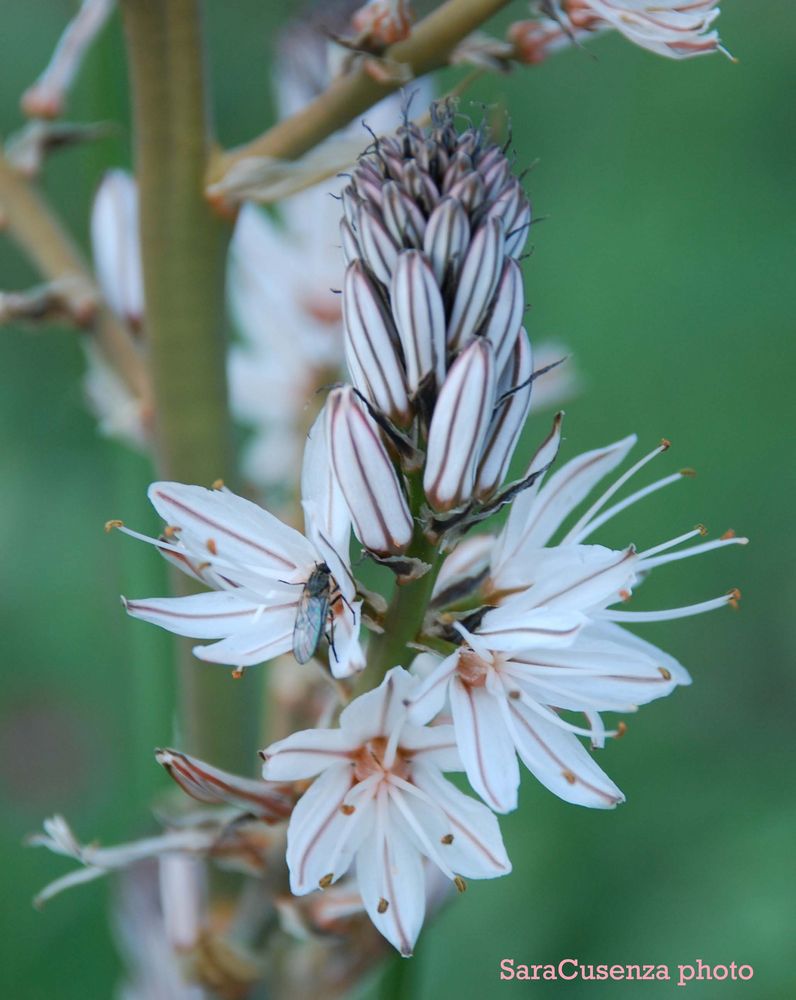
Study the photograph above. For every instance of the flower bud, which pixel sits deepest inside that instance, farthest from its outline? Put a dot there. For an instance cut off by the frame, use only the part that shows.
(511, 410)
(480, 273)
(371, 346)
(368, 481)
(503, 325)
(117, 252)
(419, 314)
(459, 426)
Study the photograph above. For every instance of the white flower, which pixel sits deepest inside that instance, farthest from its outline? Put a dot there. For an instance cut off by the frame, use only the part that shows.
(677, 29)
(259, 569)
(381, 802)
(550, 642)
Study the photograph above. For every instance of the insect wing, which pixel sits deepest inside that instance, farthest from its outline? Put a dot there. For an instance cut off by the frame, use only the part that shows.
(313, 610)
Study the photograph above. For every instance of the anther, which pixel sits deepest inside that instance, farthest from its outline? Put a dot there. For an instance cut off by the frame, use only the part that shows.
(459, 882)
(515, 695)
(237, 673)
(447, 839)
(326, 881)
(728, 534)
(203, 566)
(621, 729)
(115, 523)
(212, 548)
(347, 810)
(382, 905)
(688, 472)
(665, 444)
(665, 674)
(218, 484)
(701, 529)
(625, 595)
(170, 530)
(734, 597)
(570, 777)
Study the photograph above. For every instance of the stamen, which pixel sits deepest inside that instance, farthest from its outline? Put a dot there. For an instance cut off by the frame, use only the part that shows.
(669, 614)
(665, 674)
(382, 905)
(617, 508)
(553, 717)
(621, 729)
(114, 523)
(460, 884)
(570, 777)
(347, 809)
(237, 673)
(326, 880)
(218, 484)
(620, 482)
(700, 529)
(447, 839)
(695, 550)
(212, 548)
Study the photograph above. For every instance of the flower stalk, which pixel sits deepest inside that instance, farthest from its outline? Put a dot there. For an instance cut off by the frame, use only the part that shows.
(183, 248)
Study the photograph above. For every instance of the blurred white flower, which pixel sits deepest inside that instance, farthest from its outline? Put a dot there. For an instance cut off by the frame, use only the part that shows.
(380, 801)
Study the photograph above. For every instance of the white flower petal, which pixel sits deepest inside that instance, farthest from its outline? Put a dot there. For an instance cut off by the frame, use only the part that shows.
(391, 880)
(116, 247)
(318, 845)
(429, 696)
(477, 849)
(376, 712)
(237, 528)
(559, 760)
(271, 636)
(199, 616)
(305, 754)
(486, 745)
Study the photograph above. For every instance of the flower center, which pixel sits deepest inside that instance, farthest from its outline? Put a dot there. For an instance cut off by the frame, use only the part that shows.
(472, 669)
(369, 760)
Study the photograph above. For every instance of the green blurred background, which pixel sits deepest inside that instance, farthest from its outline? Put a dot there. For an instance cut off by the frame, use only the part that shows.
(667, 264)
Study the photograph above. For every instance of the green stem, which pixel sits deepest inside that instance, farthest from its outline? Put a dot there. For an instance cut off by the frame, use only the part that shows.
(184, 247)
(403, 620)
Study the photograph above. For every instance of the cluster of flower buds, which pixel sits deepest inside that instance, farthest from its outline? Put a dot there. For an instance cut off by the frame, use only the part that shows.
(440, 364)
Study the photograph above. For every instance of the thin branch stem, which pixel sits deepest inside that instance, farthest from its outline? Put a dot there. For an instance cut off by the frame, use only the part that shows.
(184, 253)
(427, 48)
(41, 236)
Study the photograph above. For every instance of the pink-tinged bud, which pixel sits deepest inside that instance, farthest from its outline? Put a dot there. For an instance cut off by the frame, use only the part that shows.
(383, 22)
(367, 479)
(116, 246)
(503, 325)
(459, 427)
(268, 800)
(511, 410)
(371, 344)
(419, 314)
(478, 280)
(447, 237)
